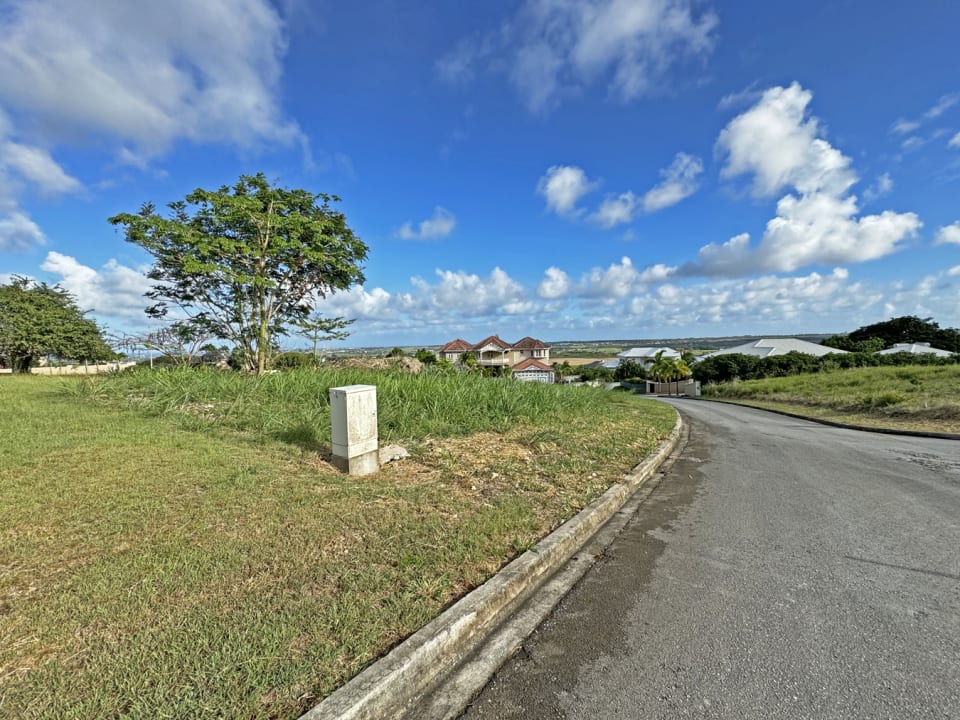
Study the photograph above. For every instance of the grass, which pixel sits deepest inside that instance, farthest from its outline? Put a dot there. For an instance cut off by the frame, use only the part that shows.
(175, 545)
(909, 397)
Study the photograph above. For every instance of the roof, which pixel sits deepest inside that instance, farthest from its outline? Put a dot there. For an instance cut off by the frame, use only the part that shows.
(916, 348)
(531, 364)
(609, 364)
(649, 352)
(457, 345)
(492, 340)
(767, 347)
(529, 343)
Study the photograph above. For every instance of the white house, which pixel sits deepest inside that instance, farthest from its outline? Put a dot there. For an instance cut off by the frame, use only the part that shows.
(916, 349)
(532, 370)
(646, 356)
(767, 347)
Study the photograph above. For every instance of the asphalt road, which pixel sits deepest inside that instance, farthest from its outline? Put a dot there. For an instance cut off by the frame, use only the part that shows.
(781, 569)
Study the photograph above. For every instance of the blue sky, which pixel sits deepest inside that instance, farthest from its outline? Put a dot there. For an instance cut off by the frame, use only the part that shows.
(558, 168)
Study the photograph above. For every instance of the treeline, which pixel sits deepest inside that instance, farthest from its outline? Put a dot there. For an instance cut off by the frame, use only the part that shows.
(723, 368)
(906, 329)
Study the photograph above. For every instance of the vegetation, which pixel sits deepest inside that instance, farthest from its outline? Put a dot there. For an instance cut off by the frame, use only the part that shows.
(735, 366)
(37, 320)
(906, 329)
(244, 262)
(918, 397)
(174, 544)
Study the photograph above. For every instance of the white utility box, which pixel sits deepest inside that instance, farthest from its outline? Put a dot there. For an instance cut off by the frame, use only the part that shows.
(353, 429)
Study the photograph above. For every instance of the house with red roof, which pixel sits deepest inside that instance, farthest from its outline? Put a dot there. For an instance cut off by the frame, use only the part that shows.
(530, 353)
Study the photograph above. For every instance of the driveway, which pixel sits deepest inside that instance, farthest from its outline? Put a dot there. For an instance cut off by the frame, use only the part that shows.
(781, 569)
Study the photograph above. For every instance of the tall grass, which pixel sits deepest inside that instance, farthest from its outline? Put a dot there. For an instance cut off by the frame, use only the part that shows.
(922, 394)
(295, 405)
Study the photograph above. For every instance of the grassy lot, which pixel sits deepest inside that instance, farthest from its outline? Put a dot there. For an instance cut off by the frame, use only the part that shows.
(907, 398)
(174, 545)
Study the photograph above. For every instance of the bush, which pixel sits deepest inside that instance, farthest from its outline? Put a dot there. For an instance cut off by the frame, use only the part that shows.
(294, 360)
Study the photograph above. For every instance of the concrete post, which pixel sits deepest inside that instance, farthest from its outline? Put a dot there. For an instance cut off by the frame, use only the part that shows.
(353, 429)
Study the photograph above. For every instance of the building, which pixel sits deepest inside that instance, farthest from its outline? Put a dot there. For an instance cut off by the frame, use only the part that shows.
(493, 351)
(647, 356)
(768, 347)
(916, 349)
(453, 350)
(531, 370)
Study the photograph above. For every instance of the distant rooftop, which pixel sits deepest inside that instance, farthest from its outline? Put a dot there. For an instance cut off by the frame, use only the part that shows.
(916, 349)
(767, 347)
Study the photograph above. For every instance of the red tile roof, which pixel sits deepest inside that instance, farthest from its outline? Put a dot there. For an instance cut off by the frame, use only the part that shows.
(531, 364)
(492, 340)
(457, 345)
(529, 343)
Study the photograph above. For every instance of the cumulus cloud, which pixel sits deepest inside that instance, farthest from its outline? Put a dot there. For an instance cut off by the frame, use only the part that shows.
(954, 141)
(114, 291)
(553, 49)
(948, 234)
(679, 182)
(438, 225)
(18, 233)
(778, 145)
(203, 72)
(883, 186)
(556, 284)
(562, 186)
(616, 210)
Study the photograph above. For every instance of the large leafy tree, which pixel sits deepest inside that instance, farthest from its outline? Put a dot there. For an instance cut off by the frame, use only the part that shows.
(244, 263)
(37, 320)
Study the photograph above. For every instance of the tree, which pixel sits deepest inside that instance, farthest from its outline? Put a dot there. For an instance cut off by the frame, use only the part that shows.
(425, 356)
(242, 262)
(628, 369)
(181, 342)
(38, 320)
(397, 352)
(909, 329)
(316, 327)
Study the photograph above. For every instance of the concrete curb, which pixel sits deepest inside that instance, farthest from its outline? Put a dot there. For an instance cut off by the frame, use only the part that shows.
(833, 423)
(393, 686)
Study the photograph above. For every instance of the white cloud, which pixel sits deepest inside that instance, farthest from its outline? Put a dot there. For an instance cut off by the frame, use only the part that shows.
(18, 233)
(942, 105)
(948, 234)
(883, 186)
(904, 127)
(555, 284)
(679, 182)
(954, 271)
(439, 225)
(616, 210)
(954, 141)
(36, 166)
(551, 49)
(201, 72)
(617, 281)
(779, 144)
(562, 186)
(113, 291)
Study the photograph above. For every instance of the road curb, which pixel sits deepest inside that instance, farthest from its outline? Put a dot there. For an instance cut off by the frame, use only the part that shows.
(392, 686)
(832, 423)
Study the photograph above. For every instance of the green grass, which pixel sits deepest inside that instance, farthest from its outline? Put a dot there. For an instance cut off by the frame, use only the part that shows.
(173, 545)
(908, 397)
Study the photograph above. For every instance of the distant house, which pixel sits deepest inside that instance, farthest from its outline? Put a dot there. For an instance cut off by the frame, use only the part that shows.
(606, 364)
(916, 349)
(493, 351)
(453, 350)
(646, 356)
(531, 370)
(768, 347)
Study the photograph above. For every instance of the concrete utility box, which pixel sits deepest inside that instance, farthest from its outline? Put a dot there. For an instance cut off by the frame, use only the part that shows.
(353, 429)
